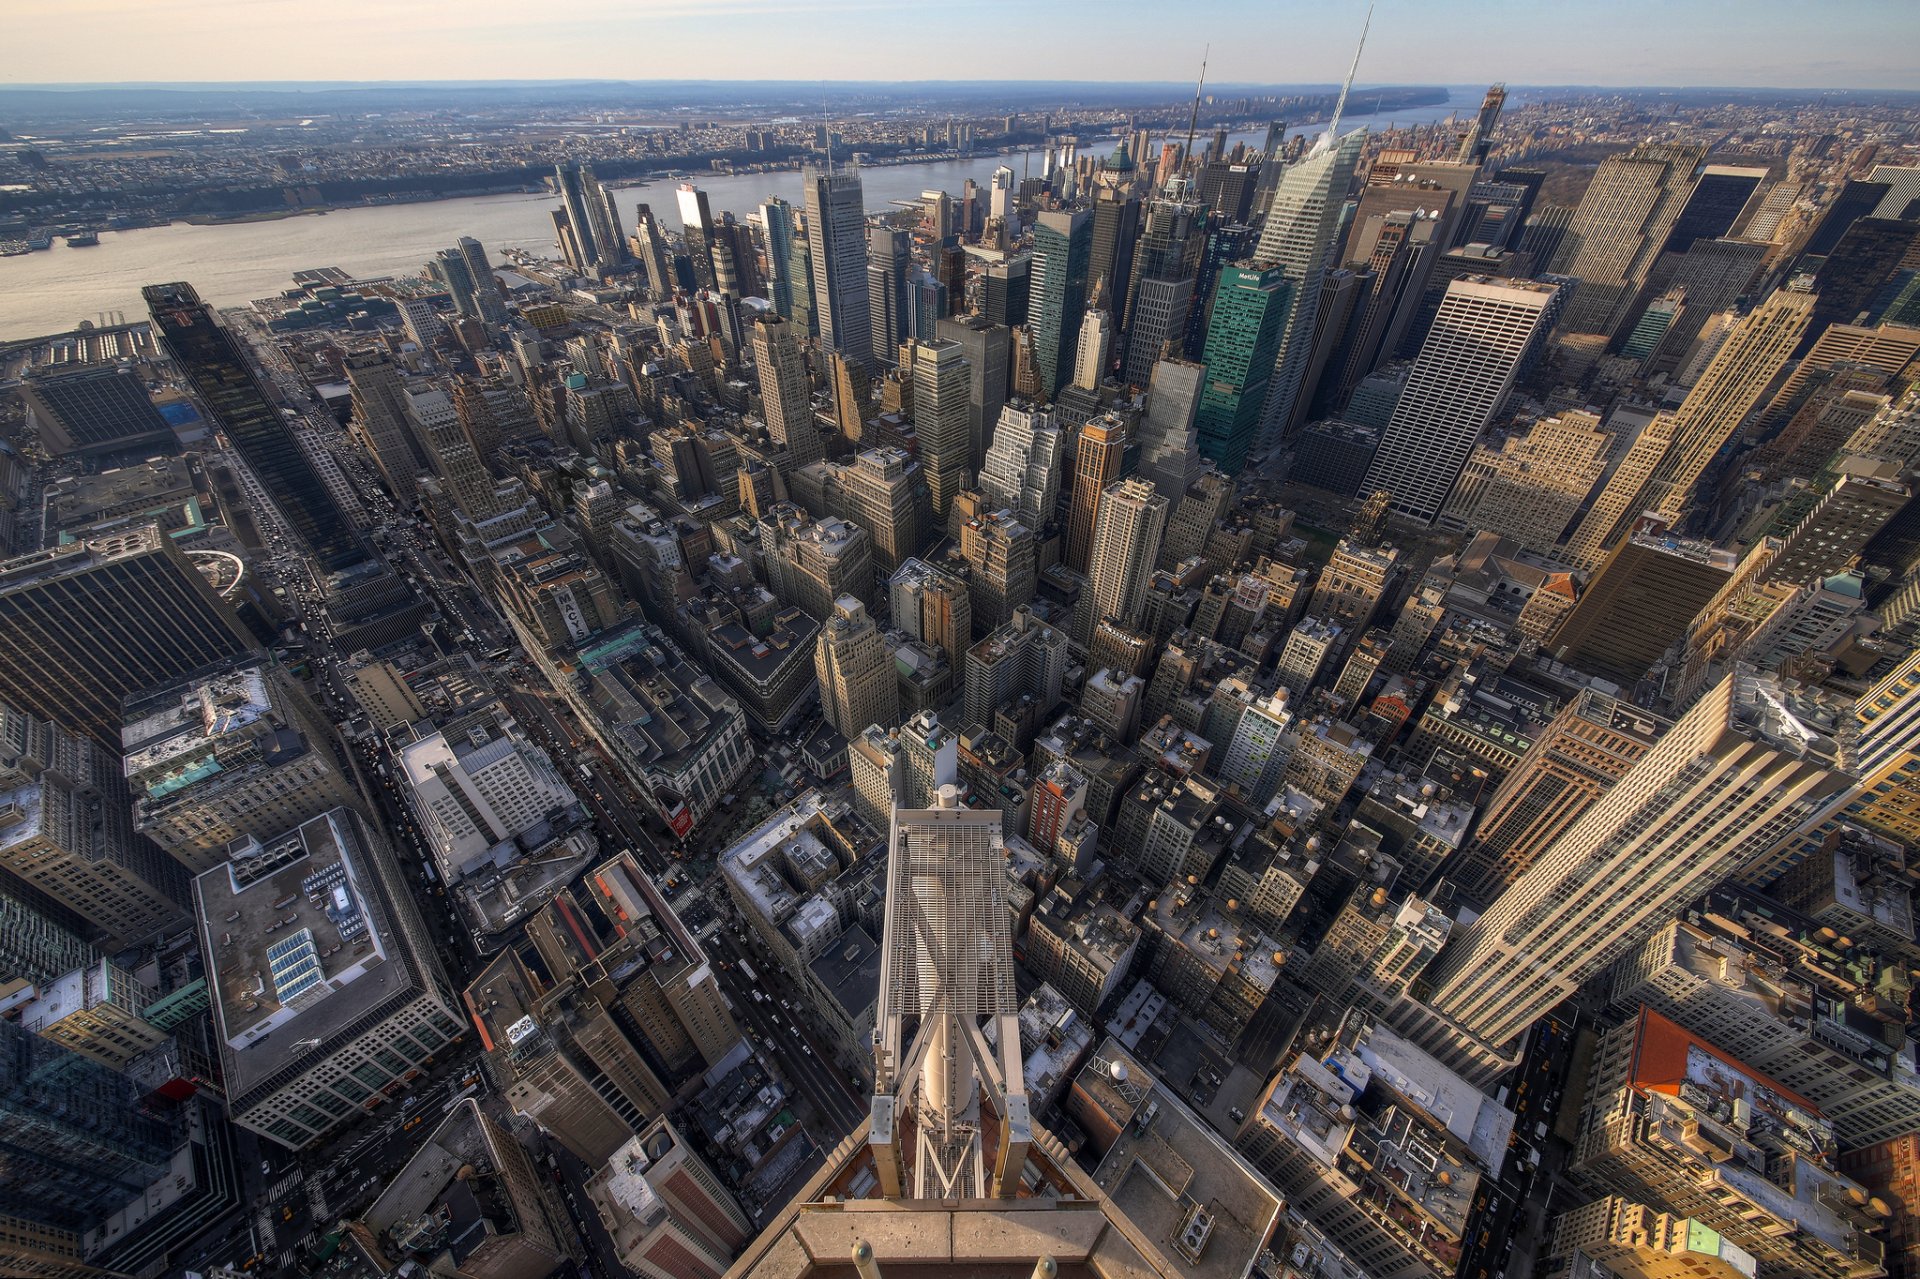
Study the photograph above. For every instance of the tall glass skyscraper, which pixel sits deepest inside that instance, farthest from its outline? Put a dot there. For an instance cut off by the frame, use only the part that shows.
(776, 220)
(1250, 308)
(1062, 254)
(75, 1133)
(1301, 225)
(837, 239)
(223, 379)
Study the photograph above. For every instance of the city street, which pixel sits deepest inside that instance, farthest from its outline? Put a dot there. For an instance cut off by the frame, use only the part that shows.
(785, 1039)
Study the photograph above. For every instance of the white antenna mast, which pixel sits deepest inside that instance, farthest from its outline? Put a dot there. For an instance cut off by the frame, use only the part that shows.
(1333, 125)
(826, 121)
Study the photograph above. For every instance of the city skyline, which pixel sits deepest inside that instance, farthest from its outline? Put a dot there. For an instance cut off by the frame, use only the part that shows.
(1855, 46)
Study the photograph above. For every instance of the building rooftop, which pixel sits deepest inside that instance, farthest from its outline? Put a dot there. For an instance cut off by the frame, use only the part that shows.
(1772, 1146)
(849, 972)
(761, 864)
(1173, 1177)
(1220, 940)
(662, 708)
(448, 1199)
(298, 933)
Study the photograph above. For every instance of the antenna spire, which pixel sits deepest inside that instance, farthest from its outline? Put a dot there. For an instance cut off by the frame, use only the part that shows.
(826, 124)
(1333, 125)
(1193, 121)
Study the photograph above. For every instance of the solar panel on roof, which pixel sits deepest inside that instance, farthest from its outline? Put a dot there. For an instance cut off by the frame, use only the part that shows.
(294, 965)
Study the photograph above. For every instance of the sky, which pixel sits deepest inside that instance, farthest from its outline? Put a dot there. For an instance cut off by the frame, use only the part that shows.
(1863, 44)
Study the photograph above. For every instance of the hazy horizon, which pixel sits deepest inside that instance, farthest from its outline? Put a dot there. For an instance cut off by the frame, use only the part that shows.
(1860, 45)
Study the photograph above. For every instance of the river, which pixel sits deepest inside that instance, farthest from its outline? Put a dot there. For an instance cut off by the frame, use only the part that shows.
(234, 263)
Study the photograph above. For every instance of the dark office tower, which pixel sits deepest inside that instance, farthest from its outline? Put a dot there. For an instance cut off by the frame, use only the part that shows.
(989, 352)
(1343, 295)
(86, 625)
(1856, 272)
(650, 246)
(93, 409)
(1096, 464)
(449, 267)
(79, 1142)
(606, 223)
(1588, 747)
(1116, 229)
(1478, 142)
(1857, 199)
(1619, 229)
(1165, 264)
(1712, 275)
(1062, 251)
(1393, 274)
(1544, 232)
(486, 287)
(1249, 314)
(888, 304)
(1004, 291)
(1228, 189)
(837, 238)
(576, 209)
(1640, 602)
(223, 379)
(696, 228)
(805, 315)
(1221, 247)
(1713, 207)
(776, 220)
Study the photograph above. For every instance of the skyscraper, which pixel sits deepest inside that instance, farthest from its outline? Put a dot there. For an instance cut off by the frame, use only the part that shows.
(1622, 223)
(1587, 748)
(888, 304)
(650, 246)
(1166, 261)
(80, 1145)
(222, 376)
(1719, 402)
(380, 420)
(785, 393)
(1478, 140)
(1062, 249)
(573, 214)
(1169, 433)
(1096, 463)
(486, 288)
(1668, 459)
(837, 242)
(989, 352)
(1732, 781)
(66, 830)
(696, 228)
(1126, 546)
(1250, 309)
(1485, 331)
(1302, 223)
(776, 222)
(855, 670)
(942, 382)
(1022, 471)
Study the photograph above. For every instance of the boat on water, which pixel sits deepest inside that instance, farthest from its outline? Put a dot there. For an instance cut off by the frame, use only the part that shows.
(41, 240)
(85, 238)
